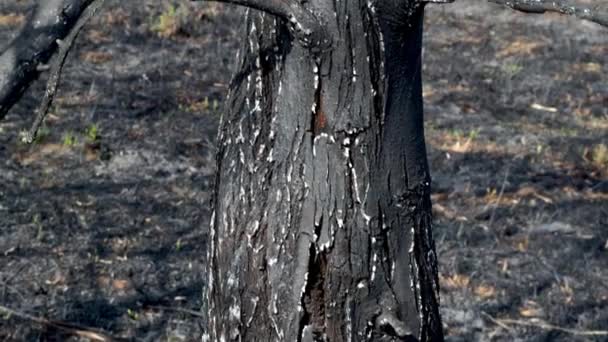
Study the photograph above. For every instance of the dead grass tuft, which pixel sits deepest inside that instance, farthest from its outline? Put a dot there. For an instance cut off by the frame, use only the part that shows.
(11, 19)
(96, 57)
(521, 46)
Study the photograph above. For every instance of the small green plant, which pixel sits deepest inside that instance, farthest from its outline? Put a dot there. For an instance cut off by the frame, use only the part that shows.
(92, 133)
(512, 69)
(170, 22)
(6, 315)
(43, 133)
(539, 148)
(473, 134)
(132, 314)
(455, 133)
(205, 104)
(201, 106)
(568, 132)
(599, 156)
(69, 139)
(39, 227)
(459, 134)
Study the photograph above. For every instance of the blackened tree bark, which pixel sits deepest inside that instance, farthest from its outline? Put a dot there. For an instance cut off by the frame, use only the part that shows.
(21, 61)
(322, 222)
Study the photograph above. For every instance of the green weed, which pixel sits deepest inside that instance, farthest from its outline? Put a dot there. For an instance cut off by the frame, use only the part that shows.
(69, 139)
(171, 21)
(599, 156)
(92, 133)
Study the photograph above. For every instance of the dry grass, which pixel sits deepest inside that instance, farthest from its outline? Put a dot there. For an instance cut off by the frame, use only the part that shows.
(11, 19)
(520, 46)
(96, 57)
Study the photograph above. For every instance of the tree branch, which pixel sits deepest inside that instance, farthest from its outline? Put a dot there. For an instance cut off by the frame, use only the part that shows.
(23, 59)
(595, 13)
(73, 329)
(304, 25)
(64, 48)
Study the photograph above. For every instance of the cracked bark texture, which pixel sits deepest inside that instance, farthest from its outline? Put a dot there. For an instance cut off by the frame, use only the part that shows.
(322, 221)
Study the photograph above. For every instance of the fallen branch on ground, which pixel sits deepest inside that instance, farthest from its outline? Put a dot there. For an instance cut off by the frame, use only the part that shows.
(537, 323)
(69, 328)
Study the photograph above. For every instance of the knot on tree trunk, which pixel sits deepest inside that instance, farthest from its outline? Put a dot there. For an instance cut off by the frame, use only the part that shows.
(308, 29)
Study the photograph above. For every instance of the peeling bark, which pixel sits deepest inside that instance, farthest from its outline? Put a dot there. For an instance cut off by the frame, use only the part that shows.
(322, 222)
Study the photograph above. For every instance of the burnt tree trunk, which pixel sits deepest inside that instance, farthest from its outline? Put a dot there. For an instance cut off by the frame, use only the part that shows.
(322, 222)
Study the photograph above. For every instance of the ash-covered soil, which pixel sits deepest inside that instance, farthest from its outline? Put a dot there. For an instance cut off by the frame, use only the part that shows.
(103, 221)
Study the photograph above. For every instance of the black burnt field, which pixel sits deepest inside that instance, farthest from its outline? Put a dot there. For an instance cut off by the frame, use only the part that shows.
(103, 220)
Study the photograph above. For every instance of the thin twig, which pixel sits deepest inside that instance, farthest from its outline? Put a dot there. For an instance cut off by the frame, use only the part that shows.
(497, 322)
(544, 325)
(70, 328)
(55, 76)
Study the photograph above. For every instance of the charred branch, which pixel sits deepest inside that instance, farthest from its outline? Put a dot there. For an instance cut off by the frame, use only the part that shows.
(64, 48)
(595, 13)
(25, 57)
(304, 25)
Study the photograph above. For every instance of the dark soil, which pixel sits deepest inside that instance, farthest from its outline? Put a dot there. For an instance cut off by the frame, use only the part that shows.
(103, 221)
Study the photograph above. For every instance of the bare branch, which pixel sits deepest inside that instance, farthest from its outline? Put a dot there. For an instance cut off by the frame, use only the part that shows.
(305, 26)
(595, 13)
(64, 48)
(23, 59)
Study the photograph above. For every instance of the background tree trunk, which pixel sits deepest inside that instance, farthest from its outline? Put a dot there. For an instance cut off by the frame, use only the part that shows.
(322, 222)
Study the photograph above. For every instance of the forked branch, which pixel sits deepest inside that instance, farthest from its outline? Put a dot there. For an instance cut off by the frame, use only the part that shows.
(595, 13)
(64, 48)
(304, 25)
(22, 60)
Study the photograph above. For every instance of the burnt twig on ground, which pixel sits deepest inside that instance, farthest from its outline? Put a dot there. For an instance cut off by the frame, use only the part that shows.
(506, 323)
(69, 328)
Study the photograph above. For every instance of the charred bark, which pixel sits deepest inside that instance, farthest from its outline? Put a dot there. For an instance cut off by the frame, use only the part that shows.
(21, 60)
(322, 222)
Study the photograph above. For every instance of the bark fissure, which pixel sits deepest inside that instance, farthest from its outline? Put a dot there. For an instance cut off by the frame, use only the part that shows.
(314, 299)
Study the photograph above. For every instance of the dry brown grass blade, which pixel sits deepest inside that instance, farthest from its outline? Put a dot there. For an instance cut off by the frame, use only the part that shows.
(69, 328)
